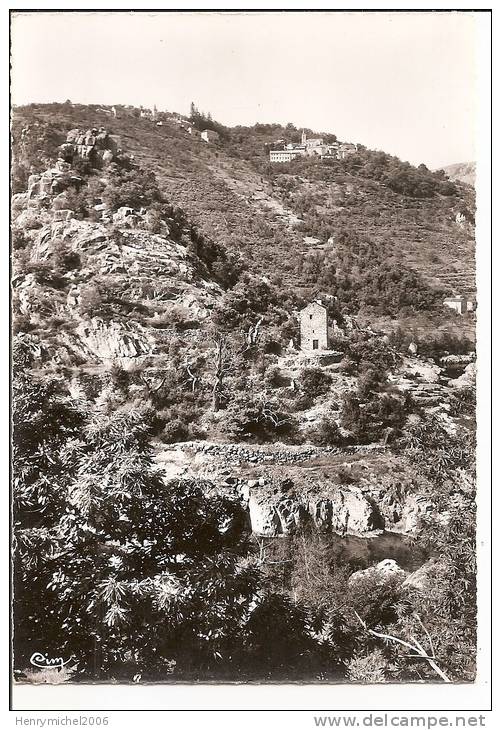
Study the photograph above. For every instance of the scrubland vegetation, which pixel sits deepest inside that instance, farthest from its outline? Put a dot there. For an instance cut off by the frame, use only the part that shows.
(132, 575)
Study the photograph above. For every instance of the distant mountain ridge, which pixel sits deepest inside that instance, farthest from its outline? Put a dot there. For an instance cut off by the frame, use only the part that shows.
(464, 172)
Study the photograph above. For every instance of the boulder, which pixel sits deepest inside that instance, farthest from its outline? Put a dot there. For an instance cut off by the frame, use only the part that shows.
(73, 135)
(62, 166)
(352, 512)
(19, 200)
(122, 214)
(384, 570)
(264, 518)
(65, 214)
(34, 186)
(424, 370)
(107, 157)
(467, 379)
(423, 578)
(73, 297)
(292, 515)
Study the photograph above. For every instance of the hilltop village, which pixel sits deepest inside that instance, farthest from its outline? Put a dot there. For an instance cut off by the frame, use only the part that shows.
(309, 147)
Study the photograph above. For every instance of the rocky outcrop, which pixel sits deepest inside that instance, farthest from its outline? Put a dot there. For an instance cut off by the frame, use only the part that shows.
(385, 570)
(52, 182)
(424, 577)
(467, 379)
(125, 216)
(93, 144)
(264, 516)
(346, 511)
(401, 510)
(462, 172)
(420, 369)
(113, 340)
(415, 507)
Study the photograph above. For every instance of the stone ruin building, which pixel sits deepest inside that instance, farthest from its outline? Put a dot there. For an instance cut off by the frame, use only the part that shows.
(313, 323)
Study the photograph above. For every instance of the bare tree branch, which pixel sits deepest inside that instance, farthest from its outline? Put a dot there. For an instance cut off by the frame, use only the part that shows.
(419, 652)
(150, 387)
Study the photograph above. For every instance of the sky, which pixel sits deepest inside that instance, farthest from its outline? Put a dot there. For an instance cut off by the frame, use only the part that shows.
(404, 83)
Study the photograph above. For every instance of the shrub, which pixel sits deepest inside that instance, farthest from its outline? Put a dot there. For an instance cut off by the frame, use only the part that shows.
(18, 238)
(273, 377)
(248, 418)
(175, 431)
(326, 433)
(368, 668)
(314, 382)
(134, 188)
(91, 301)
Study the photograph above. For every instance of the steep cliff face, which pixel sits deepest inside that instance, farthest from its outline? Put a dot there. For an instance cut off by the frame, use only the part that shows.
(310, 488)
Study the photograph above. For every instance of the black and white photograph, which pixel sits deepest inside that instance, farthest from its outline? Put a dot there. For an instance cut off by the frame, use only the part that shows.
(244, 310)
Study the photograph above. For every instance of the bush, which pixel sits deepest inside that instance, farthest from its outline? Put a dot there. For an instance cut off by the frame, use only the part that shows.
(18, 239)
(370, 420)
(371, 668)
(314, 382)
(273, 378)
(248, 418)
(134, 188)
(326, 433)
(175, 431)
(91, 301)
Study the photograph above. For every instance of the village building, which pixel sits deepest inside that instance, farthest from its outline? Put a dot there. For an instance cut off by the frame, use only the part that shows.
(284, 155)
(208, 135)
(459, 304)
(314, 142)
(310, 147)
(313, 322)
(346, 148)
(330, 151)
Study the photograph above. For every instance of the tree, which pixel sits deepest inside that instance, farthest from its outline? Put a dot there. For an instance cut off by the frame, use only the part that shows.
(258, 418)
(122, 572)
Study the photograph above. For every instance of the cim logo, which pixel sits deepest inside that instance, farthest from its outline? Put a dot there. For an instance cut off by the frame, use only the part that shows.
(43, 661)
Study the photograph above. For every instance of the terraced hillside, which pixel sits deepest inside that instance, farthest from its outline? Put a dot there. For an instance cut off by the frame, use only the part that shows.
(271, 213)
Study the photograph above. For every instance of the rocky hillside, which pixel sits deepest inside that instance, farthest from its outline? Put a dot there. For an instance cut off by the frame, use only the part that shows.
(111, 272)
(463, 172)
(289, 219)
(100, 281)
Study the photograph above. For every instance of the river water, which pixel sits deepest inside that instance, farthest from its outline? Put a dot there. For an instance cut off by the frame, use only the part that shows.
(359, 552)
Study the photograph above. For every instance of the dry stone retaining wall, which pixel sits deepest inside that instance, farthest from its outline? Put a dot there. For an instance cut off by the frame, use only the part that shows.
(236, 453)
